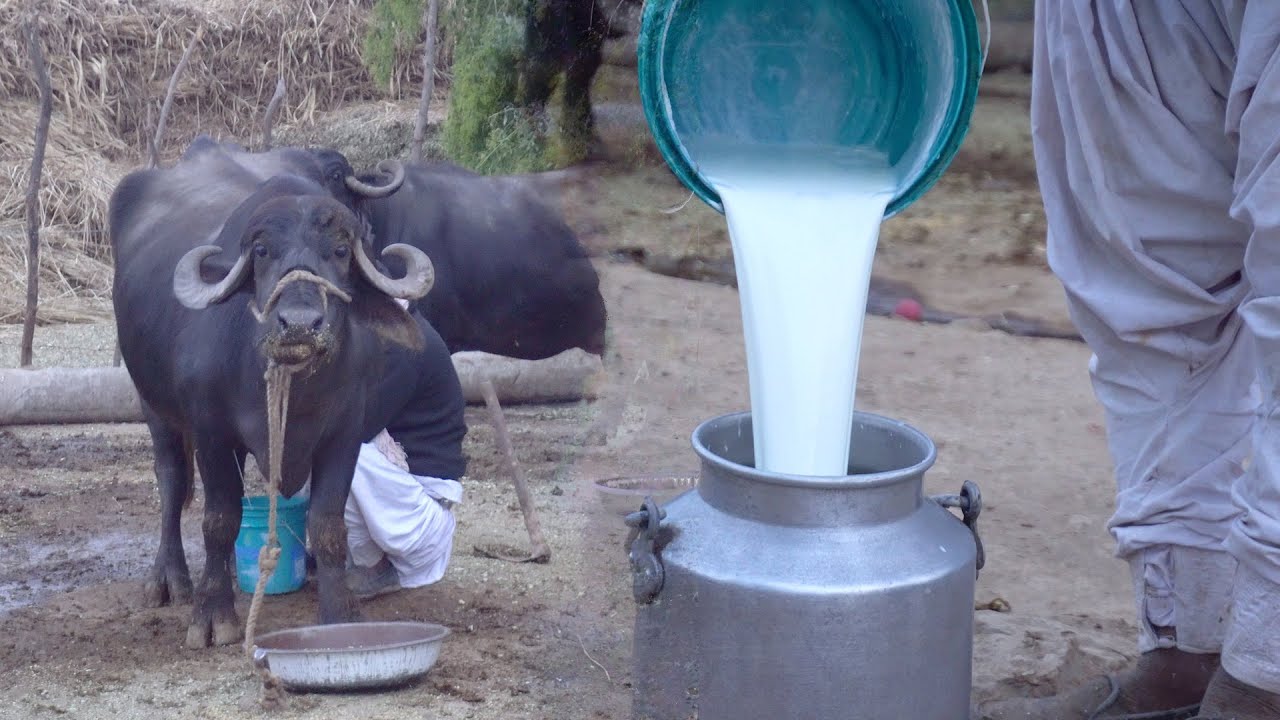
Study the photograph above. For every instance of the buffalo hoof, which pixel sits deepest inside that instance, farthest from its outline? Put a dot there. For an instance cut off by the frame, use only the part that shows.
(167, 586)
(219, 627)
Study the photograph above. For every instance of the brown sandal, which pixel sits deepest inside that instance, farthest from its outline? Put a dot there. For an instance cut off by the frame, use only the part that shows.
(1099, 712)
(1182, 713)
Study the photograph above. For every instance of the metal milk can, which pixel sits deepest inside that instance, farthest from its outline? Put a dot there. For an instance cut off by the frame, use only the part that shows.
(767, 596)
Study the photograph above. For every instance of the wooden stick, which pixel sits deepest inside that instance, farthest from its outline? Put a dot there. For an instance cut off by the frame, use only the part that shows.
(428, 79)
(269, 117)
(168, 97)
(539, 552)
(33, 190)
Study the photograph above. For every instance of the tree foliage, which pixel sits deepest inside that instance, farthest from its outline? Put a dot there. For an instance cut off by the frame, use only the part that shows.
(486, 130)
(392, 37)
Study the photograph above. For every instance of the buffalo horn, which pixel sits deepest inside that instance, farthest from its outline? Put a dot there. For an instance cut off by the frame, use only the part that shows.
(191, 289)
(419, 273)
(393, 167)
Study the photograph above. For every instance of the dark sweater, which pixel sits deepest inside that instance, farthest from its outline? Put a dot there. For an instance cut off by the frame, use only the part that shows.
(419, 401)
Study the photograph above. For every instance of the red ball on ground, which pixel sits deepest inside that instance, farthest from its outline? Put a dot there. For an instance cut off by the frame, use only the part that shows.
(909, 309)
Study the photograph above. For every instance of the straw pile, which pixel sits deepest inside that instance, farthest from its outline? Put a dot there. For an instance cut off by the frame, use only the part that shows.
(74, 286)
(110, 62)
(78, 176)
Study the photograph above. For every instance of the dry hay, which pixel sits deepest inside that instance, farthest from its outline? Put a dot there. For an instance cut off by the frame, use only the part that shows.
(109, 64)
(111, 60)
(77, 178)
(369, 132)
(74, 286)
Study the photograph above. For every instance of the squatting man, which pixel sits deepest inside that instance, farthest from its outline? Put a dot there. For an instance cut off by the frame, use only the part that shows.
(399, 514)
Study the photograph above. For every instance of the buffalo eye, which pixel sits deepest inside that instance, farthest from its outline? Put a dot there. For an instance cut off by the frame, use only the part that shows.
(260, 250)
(341, 251)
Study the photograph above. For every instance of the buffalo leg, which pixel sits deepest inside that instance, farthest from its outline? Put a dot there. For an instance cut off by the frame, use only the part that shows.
(213, 619)
(577, 124)
(330, 485)
(543, 48)
(170, 580)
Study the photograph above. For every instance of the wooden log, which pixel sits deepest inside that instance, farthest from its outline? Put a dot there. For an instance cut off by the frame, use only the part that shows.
(68, 395)
(107, 395)
(571, 375)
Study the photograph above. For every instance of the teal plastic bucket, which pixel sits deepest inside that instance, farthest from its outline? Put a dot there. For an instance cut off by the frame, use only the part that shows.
(291, 532)
(898, 77)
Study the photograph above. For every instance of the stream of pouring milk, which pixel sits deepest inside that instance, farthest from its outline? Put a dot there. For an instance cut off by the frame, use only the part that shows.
(804, 223)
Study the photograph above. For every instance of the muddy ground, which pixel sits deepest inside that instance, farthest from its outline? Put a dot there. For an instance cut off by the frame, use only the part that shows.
(78, 509)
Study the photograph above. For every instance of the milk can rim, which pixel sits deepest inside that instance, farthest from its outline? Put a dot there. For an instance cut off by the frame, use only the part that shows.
(866, 480)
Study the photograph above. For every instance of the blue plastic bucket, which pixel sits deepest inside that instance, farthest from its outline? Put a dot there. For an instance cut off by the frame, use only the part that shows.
(897, 77)
(291, 532)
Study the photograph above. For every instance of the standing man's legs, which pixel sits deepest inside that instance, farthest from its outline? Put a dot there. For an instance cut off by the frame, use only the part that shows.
(1250, 686)
(1128, 109)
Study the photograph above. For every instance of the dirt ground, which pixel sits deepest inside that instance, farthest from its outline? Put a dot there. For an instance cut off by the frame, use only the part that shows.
(79, 512)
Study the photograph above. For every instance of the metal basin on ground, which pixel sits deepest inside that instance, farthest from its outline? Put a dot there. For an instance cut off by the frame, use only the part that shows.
(625, 495)
(350, 656)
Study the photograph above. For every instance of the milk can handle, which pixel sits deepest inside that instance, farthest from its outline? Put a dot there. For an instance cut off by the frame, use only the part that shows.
(970, 503)
(647, 573)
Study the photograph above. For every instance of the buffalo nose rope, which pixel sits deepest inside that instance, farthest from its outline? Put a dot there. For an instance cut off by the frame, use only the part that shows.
(326, 289)
(278, 378)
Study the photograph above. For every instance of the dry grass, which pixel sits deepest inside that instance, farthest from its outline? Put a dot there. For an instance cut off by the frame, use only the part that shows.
(78, 177)
(110, 61)
(74, 286)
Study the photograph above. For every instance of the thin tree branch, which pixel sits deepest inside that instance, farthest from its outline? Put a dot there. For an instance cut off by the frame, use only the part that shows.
(269, 117)
(168, 97)
(428, 79)
(33, 189)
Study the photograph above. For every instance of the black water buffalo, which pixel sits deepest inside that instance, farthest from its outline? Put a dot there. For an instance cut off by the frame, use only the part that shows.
(200, 252)
(564, 39)
(513, 279)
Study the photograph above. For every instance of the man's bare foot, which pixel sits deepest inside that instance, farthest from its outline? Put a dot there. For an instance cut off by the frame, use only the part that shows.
(1167, 680)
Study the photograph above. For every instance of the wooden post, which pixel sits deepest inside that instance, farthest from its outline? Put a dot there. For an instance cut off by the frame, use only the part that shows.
(168, 97)
(33, 189)
(269, 117)
(428, 79)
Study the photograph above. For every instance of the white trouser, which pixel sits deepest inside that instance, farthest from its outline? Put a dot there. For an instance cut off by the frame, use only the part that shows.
(1156, 127)
(393, 512)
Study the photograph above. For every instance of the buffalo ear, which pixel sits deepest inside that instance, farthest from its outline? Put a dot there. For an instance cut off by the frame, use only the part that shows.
(384, 316)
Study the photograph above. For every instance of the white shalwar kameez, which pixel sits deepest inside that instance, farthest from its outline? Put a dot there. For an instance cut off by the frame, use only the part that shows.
(1156, 126)
(407, 517)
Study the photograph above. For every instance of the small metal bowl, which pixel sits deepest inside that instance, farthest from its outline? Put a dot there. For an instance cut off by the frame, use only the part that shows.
(625, 495)
(350, 656)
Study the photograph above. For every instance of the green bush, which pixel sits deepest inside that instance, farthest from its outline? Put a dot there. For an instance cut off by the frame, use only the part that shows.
(485, 130)
(391, 37)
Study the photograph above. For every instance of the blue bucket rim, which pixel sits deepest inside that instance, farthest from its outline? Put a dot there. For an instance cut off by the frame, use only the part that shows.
(653, 98)
(260, 502)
